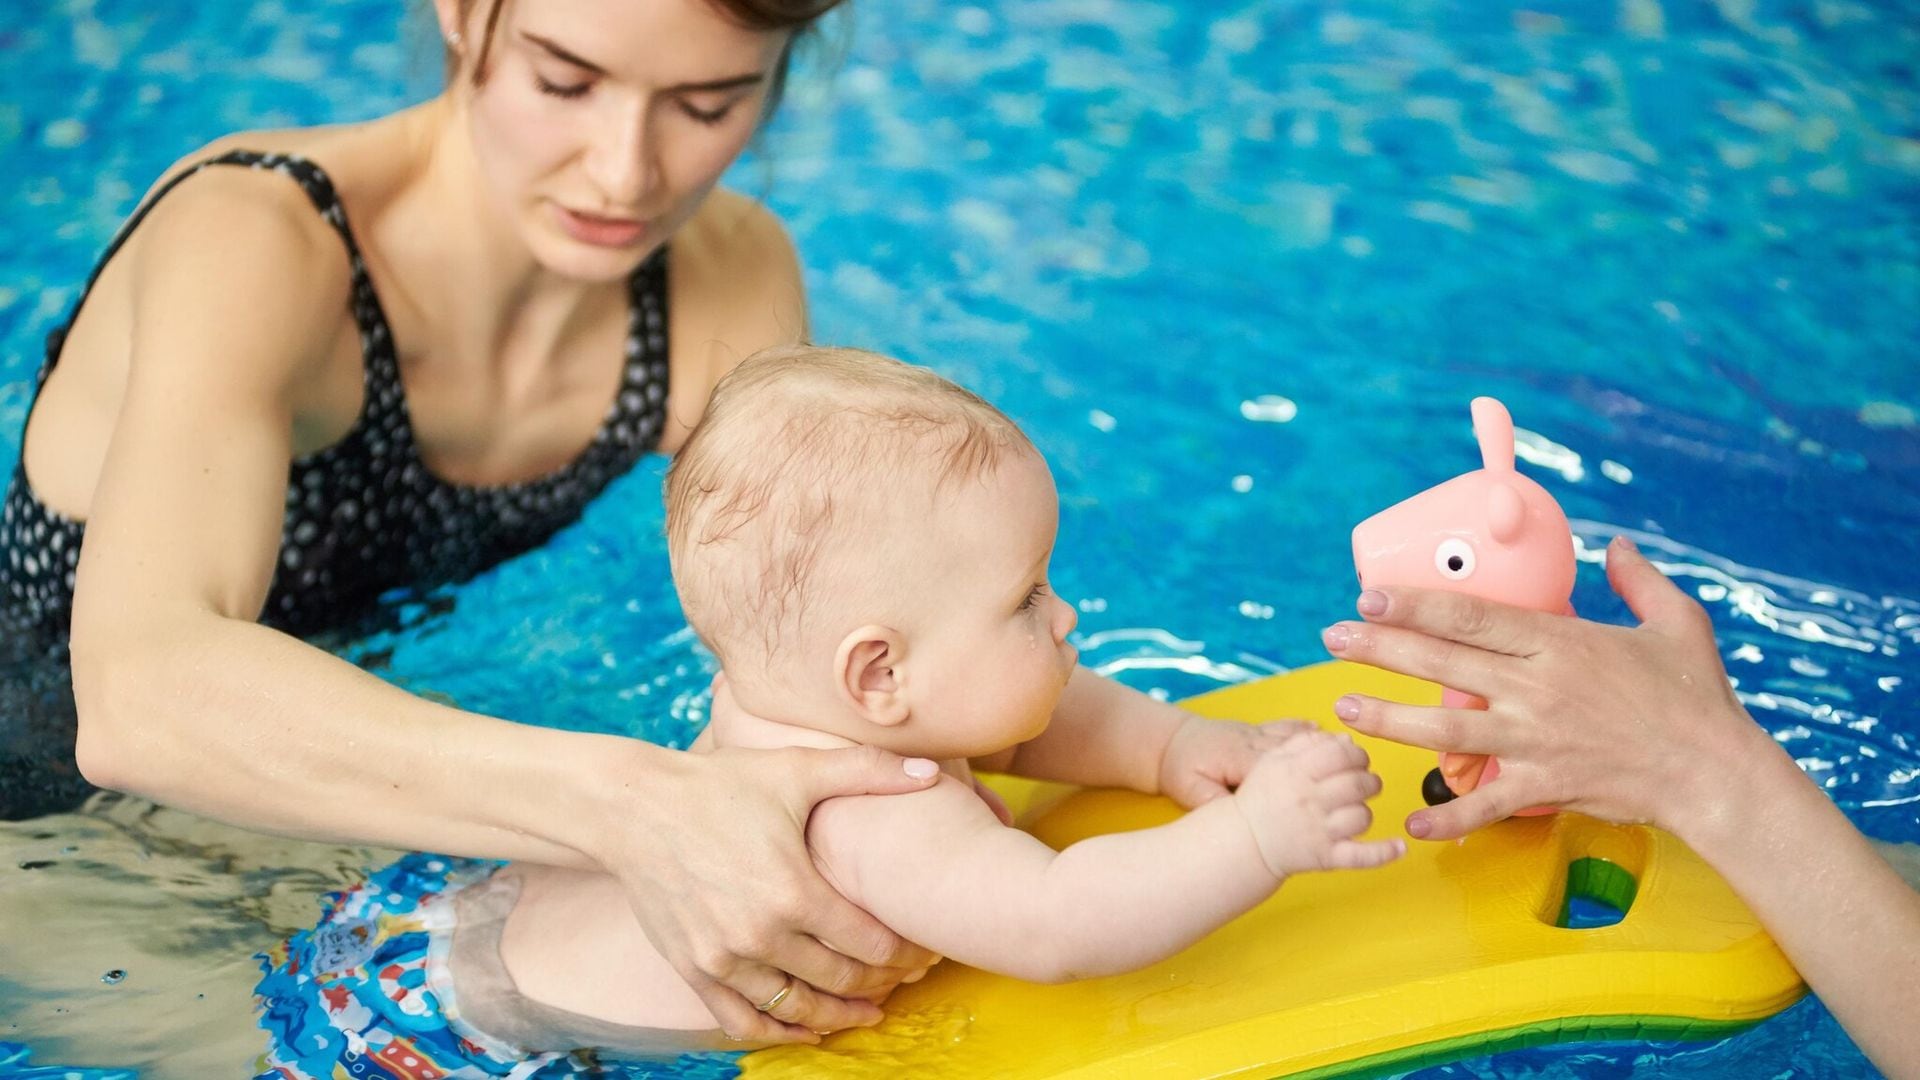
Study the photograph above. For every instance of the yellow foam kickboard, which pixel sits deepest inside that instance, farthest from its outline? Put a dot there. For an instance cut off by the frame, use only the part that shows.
(1450, 952)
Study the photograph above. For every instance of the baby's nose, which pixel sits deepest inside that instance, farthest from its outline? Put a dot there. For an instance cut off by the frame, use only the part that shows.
(1065, 619)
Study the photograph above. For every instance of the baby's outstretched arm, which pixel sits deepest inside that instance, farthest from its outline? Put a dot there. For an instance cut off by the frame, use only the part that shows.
(939, 869)
(1102, 734)
(1105, 734)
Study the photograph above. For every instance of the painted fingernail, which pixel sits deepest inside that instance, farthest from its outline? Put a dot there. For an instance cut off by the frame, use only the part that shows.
(1347, 708)
(1418, 826)
(1372, 603)
(1336, 637)
(920, 768)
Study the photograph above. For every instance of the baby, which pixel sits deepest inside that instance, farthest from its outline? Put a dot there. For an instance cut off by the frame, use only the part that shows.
(864, 547)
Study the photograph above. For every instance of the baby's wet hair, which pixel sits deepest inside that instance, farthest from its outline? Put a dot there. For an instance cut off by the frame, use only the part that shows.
(800, 451)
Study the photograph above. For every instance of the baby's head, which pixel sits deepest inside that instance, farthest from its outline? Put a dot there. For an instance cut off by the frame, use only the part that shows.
(864, 546)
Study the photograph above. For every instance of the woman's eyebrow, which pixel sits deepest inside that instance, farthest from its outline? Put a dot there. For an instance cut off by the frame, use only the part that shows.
(556, 50)
(731, 82)
(728, 83)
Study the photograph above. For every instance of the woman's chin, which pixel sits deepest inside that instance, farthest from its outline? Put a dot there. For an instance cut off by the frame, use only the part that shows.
(589, 264)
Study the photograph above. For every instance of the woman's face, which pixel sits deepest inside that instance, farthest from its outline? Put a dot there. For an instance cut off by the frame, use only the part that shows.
(602, 124)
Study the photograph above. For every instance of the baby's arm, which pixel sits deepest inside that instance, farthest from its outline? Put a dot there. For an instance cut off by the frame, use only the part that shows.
(1104, 734)
(939, 869)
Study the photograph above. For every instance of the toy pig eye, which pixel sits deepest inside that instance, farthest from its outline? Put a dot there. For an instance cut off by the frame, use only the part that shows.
(1454, 559)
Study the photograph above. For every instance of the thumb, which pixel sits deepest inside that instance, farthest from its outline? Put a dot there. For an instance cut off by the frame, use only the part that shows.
(865, 770)
(1646, 590)
(1476, 809)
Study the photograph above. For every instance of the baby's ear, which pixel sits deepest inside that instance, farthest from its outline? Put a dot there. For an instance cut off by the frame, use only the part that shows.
(870, 676)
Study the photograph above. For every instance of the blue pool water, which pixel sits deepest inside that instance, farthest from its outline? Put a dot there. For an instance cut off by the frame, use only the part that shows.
(1238, 268)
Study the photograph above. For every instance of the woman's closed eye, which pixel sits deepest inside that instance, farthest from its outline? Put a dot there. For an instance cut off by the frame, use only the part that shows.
(566, 90)
(710, 116)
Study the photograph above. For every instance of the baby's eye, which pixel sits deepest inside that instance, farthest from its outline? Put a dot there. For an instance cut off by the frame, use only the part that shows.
(1033, 597)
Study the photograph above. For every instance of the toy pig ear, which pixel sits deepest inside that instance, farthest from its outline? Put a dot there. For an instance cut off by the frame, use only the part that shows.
(1506, 512)
(1493, 426)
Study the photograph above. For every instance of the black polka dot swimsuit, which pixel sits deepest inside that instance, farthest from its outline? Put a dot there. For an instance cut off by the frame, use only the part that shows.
(365, 515)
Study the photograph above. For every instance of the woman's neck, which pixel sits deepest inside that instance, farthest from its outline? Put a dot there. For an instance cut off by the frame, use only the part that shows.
(454, 251)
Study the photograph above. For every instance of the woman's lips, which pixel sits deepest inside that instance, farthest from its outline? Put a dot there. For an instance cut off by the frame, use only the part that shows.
(600, 231)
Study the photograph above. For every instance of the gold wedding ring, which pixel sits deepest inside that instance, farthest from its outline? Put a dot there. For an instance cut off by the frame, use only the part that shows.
(774, 1001)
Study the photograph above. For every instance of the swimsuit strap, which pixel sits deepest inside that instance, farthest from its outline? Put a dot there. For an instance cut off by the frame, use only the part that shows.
(319, 189)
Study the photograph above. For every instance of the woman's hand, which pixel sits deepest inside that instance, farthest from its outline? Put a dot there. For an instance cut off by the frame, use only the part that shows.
(1623, 723)
(715, 862)
(1639, 724)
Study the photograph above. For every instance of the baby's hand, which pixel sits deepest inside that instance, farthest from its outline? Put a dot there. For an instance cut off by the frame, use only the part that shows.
(1206, 759)
(1307, 800)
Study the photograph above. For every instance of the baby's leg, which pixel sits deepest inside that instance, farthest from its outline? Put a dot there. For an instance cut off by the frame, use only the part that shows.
(553, 959)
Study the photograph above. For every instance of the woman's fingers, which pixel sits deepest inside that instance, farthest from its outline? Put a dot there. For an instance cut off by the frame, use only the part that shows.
(1655, 601)
(1456, 617)
(1462, 731)
(828, 969)
(795, 1003)
(739, 1020)
(871, 950)
(1417, 653)
(864, 770)
(1483, 805)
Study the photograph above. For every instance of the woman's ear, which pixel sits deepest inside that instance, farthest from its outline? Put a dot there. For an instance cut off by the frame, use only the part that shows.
(870, 676)
(451, 14)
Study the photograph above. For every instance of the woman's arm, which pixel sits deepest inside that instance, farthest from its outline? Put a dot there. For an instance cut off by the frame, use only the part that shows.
(182, 697)
(1639, 724)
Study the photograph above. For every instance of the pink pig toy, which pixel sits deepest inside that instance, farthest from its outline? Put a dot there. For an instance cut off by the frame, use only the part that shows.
(1491, 533)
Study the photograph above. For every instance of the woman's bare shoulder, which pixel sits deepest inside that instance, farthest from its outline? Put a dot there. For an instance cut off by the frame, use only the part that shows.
(734, 287)
(356, 156)
(730, 217)
(733, 235)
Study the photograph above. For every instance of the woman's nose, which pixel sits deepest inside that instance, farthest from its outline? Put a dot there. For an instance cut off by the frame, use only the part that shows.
(621, 161)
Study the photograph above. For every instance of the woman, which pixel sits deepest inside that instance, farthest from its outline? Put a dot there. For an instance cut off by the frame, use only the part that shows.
(1641, 725)
(321, 363)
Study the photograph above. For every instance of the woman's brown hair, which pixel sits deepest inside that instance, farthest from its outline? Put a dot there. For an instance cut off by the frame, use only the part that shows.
(796, 16)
